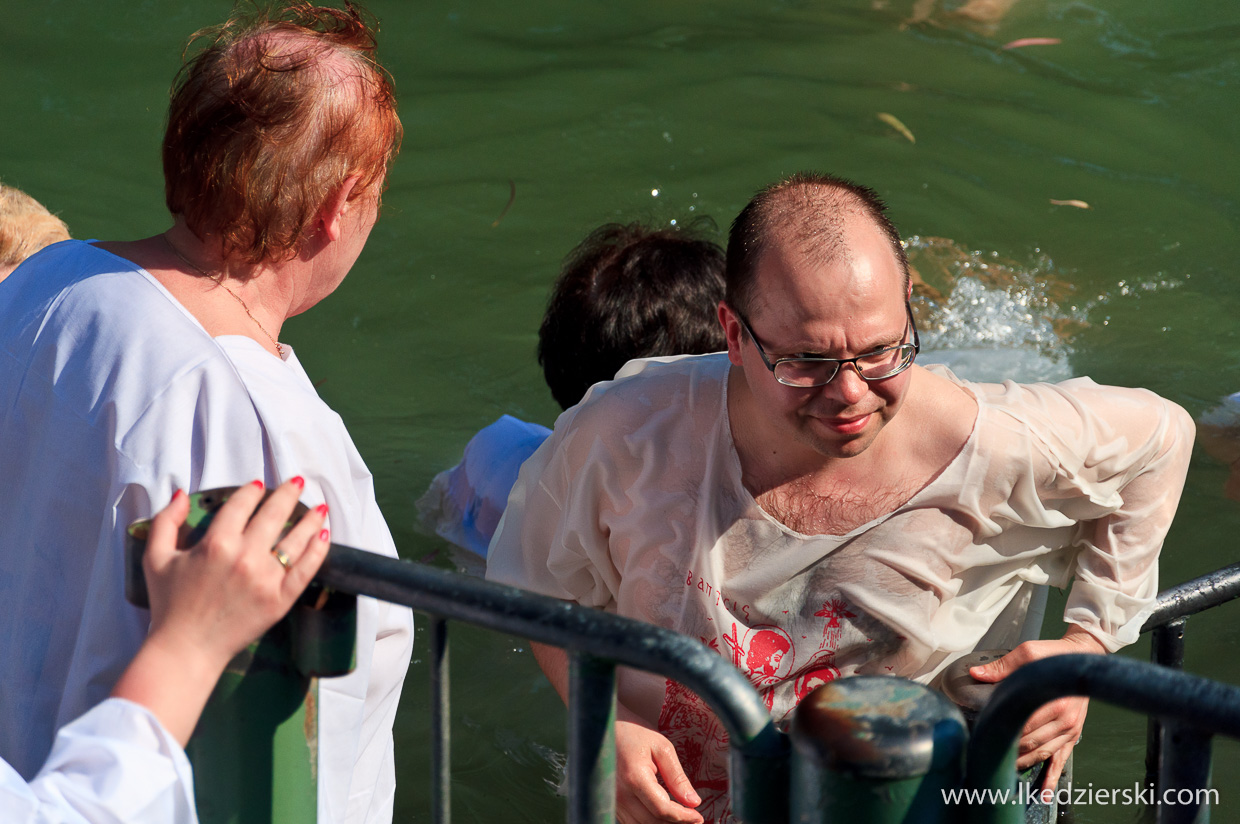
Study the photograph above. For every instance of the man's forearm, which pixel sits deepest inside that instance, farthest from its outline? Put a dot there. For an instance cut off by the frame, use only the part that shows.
(554, 663)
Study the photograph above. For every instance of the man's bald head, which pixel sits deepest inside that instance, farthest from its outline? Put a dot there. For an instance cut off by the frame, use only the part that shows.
(807, 214)
(269, 119)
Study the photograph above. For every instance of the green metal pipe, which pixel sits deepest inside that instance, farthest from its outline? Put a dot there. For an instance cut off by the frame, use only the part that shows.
(875, 749)
(591, 739)
(441, 727)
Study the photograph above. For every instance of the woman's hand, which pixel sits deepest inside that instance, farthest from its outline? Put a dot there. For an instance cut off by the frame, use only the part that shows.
(227, 590)
(210, 601)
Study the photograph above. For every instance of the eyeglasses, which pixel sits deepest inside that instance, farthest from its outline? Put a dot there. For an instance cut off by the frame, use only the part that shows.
(872, 366)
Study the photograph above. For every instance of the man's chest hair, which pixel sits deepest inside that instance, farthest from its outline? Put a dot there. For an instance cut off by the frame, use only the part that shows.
(817, 509)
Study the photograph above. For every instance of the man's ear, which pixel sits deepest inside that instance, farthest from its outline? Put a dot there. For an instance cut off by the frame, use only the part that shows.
(732, 332)
(337, 205)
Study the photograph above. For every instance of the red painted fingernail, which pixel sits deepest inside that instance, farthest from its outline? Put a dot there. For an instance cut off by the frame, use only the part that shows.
(180, 493)
(324, 535)
(298, 481)
(258, 484)
(322, 510)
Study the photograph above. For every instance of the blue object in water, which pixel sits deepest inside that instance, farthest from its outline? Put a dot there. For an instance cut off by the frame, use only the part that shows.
(464, 504)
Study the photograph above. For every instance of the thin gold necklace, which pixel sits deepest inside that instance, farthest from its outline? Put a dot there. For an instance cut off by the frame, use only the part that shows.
(219, 281)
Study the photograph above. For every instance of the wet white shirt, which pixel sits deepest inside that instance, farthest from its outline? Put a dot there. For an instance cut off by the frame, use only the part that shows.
(114, 765)
(635, 505)
(111, 397)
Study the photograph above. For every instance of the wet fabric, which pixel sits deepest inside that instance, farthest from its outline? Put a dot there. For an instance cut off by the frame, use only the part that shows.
(114, 765)
(635, 505)
(111, 397)
(464, 504)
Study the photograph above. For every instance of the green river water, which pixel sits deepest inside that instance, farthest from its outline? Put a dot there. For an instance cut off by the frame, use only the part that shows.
(665, 111)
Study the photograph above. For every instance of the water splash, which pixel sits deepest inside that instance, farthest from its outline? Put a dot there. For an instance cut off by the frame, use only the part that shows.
(990, 319)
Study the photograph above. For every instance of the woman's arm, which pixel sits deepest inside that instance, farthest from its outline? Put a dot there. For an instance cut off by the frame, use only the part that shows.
(124, 763)
(210, 601)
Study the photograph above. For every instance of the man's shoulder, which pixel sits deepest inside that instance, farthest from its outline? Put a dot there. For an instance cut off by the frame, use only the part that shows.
(1076, 416)
(1072, 399)
(1074, 396)
(648, 409)
(644, 377)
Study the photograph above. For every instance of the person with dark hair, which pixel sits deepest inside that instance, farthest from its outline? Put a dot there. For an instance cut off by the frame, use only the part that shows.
(627, 291)
(130, 369)
(814, 487)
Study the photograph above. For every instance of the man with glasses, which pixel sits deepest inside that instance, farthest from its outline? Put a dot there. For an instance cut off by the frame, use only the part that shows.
(813, 505)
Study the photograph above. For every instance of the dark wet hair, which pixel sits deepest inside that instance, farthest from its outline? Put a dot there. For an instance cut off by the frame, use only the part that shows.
(629, 291)
(807, 210)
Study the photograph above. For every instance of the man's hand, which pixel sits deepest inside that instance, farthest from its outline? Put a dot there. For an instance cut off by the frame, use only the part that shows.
(651, 786)
(644, 758)
(1052, 731)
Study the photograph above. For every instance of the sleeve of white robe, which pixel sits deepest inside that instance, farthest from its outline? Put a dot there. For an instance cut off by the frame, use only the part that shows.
(114, 765)
(1120, 458)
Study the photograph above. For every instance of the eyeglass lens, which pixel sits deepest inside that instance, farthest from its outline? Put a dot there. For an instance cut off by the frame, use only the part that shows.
(872, 367)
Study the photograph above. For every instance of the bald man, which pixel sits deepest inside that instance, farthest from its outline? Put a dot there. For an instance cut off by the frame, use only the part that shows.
(813, 505)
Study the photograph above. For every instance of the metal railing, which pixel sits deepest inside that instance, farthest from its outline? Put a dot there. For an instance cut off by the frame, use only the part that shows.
(596, 642)
(1174, 753)
(1185, 711)
(1197, 707)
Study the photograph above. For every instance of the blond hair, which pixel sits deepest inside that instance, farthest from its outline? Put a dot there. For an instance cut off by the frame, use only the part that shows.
(26, 226)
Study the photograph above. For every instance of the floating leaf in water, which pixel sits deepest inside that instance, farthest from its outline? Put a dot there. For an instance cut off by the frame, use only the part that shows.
(1080, 204)
(1032, 41)
(512, 196)
(894, 122)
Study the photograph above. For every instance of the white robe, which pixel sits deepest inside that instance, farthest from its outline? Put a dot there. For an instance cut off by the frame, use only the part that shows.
(111, 397)
(635, 505)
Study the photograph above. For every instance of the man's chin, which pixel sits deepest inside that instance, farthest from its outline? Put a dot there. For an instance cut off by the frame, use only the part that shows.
(832, 444)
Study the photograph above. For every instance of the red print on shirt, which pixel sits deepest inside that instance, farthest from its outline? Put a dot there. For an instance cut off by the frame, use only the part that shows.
(701, 745)
(821, 670)
(769, 655)
(834, 610)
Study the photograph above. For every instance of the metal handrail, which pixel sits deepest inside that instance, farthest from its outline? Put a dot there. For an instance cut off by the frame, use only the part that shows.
(1167, 747)
(597, 641)
(1194, 596)
(1197, 707)
(559, 623)
(1189, 699)
(590, 636)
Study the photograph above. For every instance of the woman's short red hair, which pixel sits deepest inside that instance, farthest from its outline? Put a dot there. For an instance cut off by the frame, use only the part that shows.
(269, 119)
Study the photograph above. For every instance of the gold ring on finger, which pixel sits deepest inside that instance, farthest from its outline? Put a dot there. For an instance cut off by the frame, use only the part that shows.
(281, 556)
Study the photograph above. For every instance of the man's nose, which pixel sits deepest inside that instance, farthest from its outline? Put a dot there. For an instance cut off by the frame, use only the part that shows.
(848, 385)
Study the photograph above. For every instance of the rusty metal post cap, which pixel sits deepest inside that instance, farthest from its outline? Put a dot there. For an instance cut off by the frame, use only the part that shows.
(876, 726)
